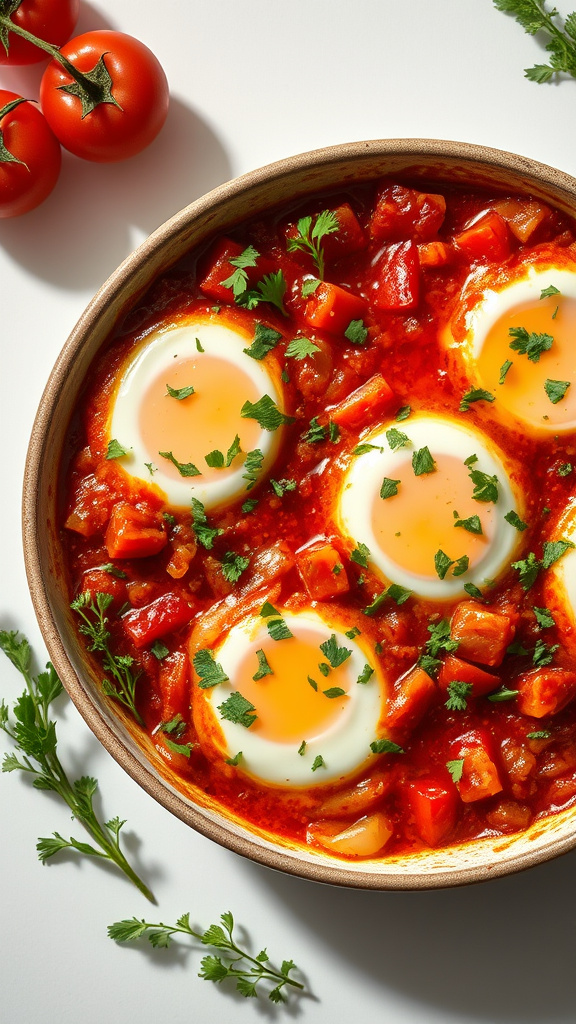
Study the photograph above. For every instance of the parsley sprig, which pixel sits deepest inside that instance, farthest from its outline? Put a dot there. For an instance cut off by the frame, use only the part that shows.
(34, 735)
(94, 625)
(309, 237)
(247, 971)
(534, 17)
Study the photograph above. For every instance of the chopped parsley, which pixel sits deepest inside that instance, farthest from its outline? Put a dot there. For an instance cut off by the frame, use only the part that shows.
(238, 710)
(366, 674)
(233, 566)
(184, 468)
(205, 535)
(363, 449)
(210, 673)
(263, 666)
(215, 309)
(159, 650)
(543, 653)
(217, 460)
(384, 746)
(472, 524)
(396, 439)
(540, 734)
(439, 641)
(238, 280)
(422, 462)
(318, 762)
(389, 488)
(528, 570)
(546, 293)
(334, 691)
(300, 348)
(250, 505)
(395, 592)
(403, 413)
(503, 694)
(553, 550)
(309, 287)
(351, 633)
(473, 591)
(456, 768)
(504, 370)
(281, 486)
(513, 518)
(252, 467)
(360, 555)
(442, 563)
(266, 413)
(313, 683)
(556, 389)
(530, 344)
(475, 395)
(113, 570)
(302, 748)
(356, 332)
(565, 469)
(115, 450)
(458, 693)
(544, 617)
(277, 628)
(335, 654)
(485, 486)
(179, 393)
(315, 433)
(234, 761)
(265, 339)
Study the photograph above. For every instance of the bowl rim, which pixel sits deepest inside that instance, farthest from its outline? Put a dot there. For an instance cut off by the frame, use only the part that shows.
(330, 871)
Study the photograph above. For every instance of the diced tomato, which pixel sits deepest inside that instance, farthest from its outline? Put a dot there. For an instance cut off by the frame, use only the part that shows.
(166, 613)
(182, 555)
(414, 694)
(402, 213)
(397, 285)
(371, 400)
(487, 239)
(523, 216)
(480, 777)
(348, 239)
(509, 816)
(141, 592)
(174, 680)
(545, 691)
(332, 308)
(91, 507)
(98, 581)
(434, 254)
(482, 635)
(434, 806)
(134, 532)
(457, 670)
(220, 269)
(322, 572)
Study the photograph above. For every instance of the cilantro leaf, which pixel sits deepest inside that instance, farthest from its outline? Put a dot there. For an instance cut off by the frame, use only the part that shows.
(553, 550)
(456, 768)
(184, 468)
(205, 535)
(485, 486)
(504, 694)
(422, 462)
(403, 413)
(263, 666)
(356, 332)
(233, 566)
(335, 654)
(556, 389)
(179, 393)
(366, 674)
(115, 450)
(238, 280)
(385, 746)
(396, 439)
(389, 488)
(513, 518)
(334, 691)
(217, 460)
(308, 238)
(360, 555)
(475, 395)
(530, 344)
(472, 524)
(458, 693)
(252, 467)
(528, 570)
(318, 762)
(504, 370)
(544, 617)
(300, 348)
(280, 487)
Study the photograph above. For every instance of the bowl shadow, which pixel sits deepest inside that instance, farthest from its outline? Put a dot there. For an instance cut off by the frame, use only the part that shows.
(99, 212)
(499, 952)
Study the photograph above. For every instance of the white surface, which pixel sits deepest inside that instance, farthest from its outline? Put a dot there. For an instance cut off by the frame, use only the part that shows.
(254, 81)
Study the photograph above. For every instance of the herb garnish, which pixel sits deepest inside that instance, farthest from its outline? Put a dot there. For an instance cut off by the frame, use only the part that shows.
(442, 563)
(252, 467)
(217, 460)
(115, 450)
(366, 674)
(265, 339)
(530, 344)
(422, 462)
(205, 535)
(475, 395)
(184, 468)
(485, 486)
(233, 566)
(513, 518)
(356, 332)
(266, 413)
(238, 280)
(472, 524)
(179, 393)
(556, 389)
(300, 348)
(277, 628)
(308, 238)
(92, 611)
(263, 666)
(384, 746)
(360, 555)
(504, 370)
(335, 654)
(458, 693)
(396, 439)
(280, 487)
(238, 710)
(533, 16)
(389, 488)
(318, 762)
(456, 768)
(210, 673)
(34, 735)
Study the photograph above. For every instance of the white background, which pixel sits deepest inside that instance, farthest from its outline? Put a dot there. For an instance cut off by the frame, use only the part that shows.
(254, 81)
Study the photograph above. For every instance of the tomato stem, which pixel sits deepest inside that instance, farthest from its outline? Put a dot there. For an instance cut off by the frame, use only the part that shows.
(11, 105)
(92, 90)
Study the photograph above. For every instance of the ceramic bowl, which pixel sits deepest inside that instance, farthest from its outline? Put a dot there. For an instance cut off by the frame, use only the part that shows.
(246, 197)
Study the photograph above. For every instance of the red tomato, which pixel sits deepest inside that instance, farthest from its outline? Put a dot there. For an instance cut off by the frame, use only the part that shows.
(28, 138)
(111, 131)
(51, 20)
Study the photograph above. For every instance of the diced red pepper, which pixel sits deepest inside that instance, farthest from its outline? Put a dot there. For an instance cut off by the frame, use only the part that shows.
(434, 806)
(523, 216)
(220, 269)
(482, 635)
(434, 254)
(545, 691)
(348, 239)
(480, 777)
(371, 400)
(457, 670)
(166, 613)
(91, 507)
(98, 581)
(174, 680)
(487, 239)
(402, 213)
(414, 695)
(134, 532)
(397, 285)
(332, 308)
(322, 572)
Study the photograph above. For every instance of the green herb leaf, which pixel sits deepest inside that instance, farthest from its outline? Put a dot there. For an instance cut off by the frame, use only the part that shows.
(531, 345)
(389, 488)
(475, 395)
(546, 293)
(263, 666)
(485, 486)
(205, 535)
(384, 746)
(113, 570)
(540, 734)
(308, 238)
(503, 694)
(249, 506)
(300, 348)
(234, 761)
(280, 487)
(565, 469)
(309, 287)
(334, 691)
(179, 393)
(472, 524)
(556, 389)
(115, 450)
(456, 768)
(265, 339)
(318, 762)
(544, 617)
(396, 439)
(528, 570)
(252, 467)
(474, 591)
(210, 673)
(422, 462)
(217, 460)
(403, 413)
(302, 748)
(266, 413)
(233, 566)
(335, 654)
(356, 332)
(360, 555)
(398, 594)
(366, 674)
(513, 518)
(504, 370)
(458, 693)
(238, 280)
(553, 550)
(184, 468)
(238, 710)
(159, 650)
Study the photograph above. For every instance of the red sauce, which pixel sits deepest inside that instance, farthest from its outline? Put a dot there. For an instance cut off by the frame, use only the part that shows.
(401, 257)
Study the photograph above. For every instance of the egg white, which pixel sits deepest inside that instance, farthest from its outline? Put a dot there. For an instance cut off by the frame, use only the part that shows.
(494, 304)
(361, 486)
(344, 744)
(159, 352)
(560, 580)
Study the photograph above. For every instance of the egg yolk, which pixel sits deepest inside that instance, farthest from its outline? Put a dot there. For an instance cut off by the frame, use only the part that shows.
(412, 525)
(523, 390)
(190, 428)
(288, 707)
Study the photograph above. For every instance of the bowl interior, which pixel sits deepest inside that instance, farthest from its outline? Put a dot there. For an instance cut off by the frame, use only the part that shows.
(219, 211)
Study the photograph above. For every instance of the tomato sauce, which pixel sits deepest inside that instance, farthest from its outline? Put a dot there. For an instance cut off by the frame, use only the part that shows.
(403, 263)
